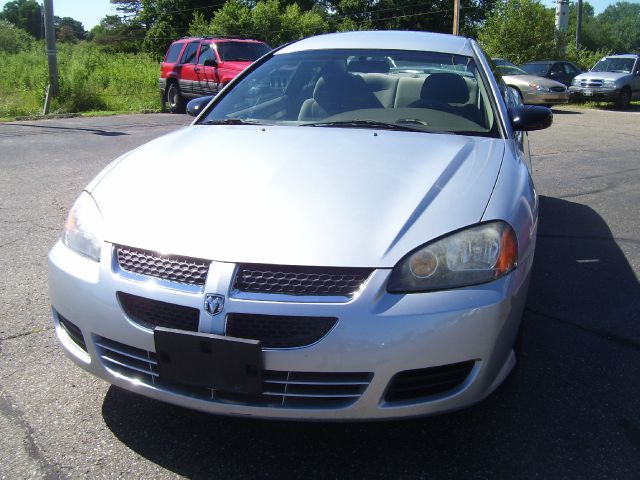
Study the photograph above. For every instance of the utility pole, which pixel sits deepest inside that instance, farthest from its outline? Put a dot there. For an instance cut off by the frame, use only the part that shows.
(456, 17)
(562, 22)
(50, 34)
(578, 23)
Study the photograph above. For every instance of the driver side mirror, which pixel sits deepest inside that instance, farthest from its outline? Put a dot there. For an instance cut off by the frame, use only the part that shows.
(527, 118)
(210, 62)
(195, 106)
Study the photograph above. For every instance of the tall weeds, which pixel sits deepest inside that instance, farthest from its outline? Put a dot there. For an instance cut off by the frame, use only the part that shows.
(90, 79)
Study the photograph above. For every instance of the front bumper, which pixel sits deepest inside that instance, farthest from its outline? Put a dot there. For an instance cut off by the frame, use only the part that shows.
(377, 332)
(545, 98)
(586, 94)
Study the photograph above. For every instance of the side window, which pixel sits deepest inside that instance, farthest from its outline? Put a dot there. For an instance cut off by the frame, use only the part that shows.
(206, 53)
(189, 55)
(557, 69)
(174, 52)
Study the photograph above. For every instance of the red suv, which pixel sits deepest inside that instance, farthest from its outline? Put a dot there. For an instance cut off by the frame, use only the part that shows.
(193, 67)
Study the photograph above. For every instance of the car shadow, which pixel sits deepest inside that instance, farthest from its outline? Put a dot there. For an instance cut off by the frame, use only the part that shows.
(570, 409)
(95, 131)
(562, 111)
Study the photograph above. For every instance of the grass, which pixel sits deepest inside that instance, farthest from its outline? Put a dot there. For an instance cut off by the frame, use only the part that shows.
(90, 80)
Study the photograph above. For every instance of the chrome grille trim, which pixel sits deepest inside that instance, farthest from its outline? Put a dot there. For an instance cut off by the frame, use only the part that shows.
(280, 389)
(170, 268)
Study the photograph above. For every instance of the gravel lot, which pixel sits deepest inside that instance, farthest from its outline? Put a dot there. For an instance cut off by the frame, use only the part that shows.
(571, 410)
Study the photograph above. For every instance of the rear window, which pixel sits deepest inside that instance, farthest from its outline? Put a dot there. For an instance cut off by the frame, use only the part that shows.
(174, 52)
(539, 69)
(189, 55)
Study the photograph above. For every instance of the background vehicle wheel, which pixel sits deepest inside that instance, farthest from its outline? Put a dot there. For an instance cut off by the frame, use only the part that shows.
(624, 98)
(174, 99)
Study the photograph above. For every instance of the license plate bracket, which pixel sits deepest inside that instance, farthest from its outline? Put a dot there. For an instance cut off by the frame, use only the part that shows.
(207, 360)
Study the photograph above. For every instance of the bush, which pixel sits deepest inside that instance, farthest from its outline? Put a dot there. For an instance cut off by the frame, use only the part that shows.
(13, 39)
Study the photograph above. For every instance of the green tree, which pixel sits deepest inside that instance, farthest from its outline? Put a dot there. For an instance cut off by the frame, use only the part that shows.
(268, 20)
(620, 24)
(24, 14)
(519, 31)
(115, 35)
(68, 29)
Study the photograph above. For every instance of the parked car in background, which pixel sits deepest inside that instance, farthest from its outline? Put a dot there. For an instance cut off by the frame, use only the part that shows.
(193, 67)
(373, 253)
(533, 90)
(615, 78)
(558, 70)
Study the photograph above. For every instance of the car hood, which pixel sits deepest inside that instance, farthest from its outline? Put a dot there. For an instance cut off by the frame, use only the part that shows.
(527, 79)
(296, 195)
(601, 75)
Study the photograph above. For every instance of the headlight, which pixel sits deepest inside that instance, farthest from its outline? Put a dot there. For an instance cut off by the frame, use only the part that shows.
(610, 83)
(471, 256)
(83, 229)
(539, 88)
(575, 82)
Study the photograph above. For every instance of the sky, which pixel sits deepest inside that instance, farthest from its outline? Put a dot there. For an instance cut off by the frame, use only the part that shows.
(89, 12)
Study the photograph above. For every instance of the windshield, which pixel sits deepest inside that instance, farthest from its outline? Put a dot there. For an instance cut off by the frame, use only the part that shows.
(395, 89)
(241, 51)
(510, 70)
(614, 64)
(539, 69)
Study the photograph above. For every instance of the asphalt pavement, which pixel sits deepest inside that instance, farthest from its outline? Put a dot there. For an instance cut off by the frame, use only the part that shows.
(570, 410)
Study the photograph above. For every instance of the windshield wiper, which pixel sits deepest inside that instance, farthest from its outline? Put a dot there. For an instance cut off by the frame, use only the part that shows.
(402, 125)
(233, 121)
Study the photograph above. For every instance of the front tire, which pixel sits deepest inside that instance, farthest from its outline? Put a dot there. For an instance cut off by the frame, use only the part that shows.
(623, 100)
(174, 98)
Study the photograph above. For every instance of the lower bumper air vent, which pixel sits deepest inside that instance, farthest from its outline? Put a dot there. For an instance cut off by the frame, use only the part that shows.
(277, 331)
(281, 389)
(73, 332)
(424, 382)
(154, 313)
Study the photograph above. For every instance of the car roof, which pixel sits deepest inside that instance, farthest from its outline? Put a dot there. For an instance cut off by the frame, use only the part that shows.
(219, 39)
(623, 55)
(384, 40)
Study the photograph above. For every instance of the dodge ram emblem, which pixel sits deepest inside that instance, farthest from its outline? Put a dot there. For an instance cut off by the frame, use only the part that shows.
(213, 304)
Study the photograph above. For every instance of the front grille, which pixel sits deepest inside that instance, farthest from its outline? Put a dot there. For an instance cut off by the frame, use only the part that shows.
(558, 89)
(154, 313)
(281, 389)
(276, 331)
(73, 332)
(591, 83)
(173, 268)
(425, 382)
(290, 280)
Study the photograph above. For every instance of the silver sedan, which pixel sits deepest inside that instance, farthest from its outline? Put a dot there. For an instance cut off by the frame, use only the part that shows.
(345, 232)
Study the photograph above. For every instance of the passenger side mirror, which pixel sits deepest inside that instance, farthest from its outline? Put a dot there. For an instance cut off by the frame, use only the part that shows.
(530, 117)
(210, 62)
(195, 106)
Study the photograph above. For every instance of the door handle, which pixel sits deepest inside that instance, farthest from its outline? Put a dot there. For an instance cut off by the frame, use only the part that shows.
(196, 69)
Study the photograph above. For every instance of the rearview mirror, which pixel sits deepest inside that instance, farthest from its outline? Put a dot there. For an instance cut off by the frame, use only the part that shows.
(530, 117)
(195, 106)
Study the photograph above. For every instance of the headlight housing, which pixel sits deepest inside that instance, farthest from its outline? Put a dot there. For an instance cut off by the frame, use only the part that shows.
(471, 256)
(83, 228)
(575, 82)
(539, 88)
(610, 83)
